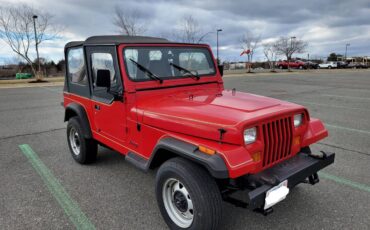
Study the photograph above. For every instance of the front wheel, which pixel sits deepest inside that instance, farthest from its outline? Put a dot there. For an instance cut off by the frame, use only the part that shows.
(188, 197)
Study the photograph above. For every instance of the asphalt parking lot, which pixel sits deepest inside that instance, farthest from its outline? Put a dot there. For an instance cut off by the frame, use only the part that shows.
(112, 194)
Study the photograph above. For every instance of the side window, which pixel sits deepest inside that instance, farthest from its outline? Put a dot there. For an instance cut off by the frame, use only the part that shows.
(76, 66)
(103, 61)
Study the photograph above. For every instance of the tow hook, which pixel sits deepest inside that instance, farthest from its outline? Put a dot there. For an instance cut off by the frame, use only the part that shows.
(313, 179)
(264, 212)
(319, 155)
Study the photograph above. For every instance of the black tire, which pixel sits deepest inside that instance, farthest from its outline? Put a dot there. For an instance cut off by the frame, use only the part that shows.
(329, 67)
(280, 67)
(204, 192)
(88, 148)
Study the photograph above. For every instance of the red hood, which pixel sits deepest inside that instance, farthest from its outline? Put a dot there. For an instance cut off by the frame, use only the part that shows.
(202, 113)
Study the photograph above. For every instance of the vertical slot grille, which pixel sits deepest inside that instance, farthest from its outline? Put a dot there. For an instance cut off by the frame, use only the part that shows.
(277, 136)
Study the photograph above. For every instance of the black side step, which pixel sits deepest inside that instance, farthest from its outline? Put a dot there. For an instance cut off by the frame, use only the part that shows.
(138, 161)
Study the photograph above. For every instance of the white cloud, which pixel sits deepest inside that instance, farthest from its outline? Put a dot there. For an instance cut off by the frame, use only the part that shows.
(327, 26)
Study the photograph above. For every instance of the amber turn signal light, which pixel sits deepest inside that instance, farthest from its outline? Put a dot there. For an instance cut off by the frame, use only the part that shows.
(206, 150)
(256, 156)
(297, 140)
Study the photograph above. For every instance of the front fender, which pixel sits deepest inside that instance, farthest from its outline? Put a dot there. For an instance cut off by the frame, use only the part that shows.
(315, 131)
(213, 163)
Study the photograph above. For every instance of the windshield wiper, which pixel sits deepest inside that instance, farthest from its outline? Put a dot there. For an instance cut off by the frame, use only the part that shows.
(195, 76)
(147, 72)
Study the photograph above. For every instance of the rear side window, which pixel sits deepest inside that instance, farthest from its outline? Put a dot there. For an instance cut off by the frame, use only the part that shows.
(103, 61)
(76, 66)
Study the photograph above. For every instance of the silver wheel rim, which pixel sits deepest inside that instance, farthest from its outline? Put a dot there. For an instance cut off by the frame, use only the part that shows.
(74, 140)
(178, 203)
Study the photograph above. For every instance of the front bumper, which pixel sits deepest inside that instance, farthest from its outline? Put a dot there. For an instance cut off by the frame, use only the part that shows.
(296, 170)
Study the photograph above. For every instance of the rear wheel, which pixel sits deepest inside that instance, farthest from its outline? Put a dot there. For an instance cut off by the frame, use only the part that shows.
(188, 197)
(83, 150)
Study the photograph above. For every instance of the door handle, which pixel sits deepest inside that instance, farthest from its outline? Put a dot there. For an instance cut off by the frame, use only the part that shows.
(97, 107)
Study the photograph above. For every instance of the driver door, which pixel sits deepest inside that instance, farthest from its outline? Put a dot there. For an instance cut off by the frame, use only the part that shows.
(109, 114)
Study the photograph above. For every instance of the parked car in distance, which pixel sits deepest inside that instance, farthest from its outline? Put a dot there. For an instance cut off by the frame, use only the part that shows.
(364, 66)
(356, 65)
(342, 64)
(311, 65)
(291, 64)
(328, 65)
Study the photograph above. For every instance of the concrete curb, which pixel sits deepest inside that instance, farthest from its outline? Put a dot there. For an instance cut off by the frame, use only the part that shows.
(26, 81)
(29, 85)
(59, 81)
(279, 72)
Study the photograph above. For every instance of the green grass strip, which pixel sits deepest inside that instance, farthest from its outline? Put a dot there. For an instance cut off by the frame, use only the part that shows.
(347, 182)
(70, 207)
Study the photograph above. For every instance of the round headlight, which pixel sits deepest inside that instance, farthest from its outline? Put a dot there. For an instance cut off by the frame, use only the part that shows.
(250, 135)
(298, 119)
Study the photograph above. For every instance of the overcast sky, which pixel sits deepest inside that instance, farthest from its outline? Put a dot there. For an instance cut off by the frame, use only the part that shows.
(327, 25)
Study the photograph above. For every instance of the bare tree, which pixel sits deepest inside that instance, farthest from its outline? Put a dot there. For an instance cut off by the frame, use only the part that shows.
(17, 31)
(128, 23)
(250, 43)
(289, 46)
(190, 31)
(269, 50)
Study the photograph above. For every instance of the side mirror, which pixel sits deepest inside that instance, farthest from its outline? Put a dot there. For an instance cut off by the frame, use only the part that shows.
(103, 78)
(221, 69)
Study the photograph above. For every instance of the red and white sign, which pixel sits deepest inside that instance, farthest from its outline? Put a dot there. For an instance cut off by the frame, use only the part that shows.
(245, 52)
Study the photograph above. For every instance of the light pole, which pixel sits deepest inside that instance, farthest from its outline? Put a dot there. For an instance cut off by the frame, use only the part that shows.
(291, 50)
(218, 30)
(308, 61)
(36, 42)
(345, 55)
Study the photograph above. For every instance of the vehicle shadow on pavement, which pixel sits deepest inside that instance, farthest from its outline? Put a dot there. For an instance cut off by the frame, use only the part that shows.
(108, 157)
(234, 217)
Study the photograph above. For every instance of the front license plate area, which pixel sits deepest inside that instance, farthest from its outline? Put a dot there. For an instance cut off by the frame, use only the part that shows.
(276, 194)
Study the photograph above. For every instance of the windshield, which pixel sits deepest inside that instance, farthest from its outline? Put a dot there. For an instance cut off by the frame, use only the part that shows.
(167, 62)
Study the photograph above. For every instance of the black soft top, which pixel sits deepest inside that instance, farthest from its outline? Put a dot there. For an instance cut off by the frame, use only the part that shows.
(117, 39)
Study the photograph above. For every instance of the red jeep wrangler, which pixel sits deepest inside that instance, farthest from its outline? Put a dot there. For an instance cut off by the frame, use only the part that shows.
(163, 105)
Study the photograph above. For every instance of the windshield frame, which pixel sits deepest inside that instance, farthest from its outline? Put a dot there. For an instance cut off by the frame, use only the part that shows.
(175, 46)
